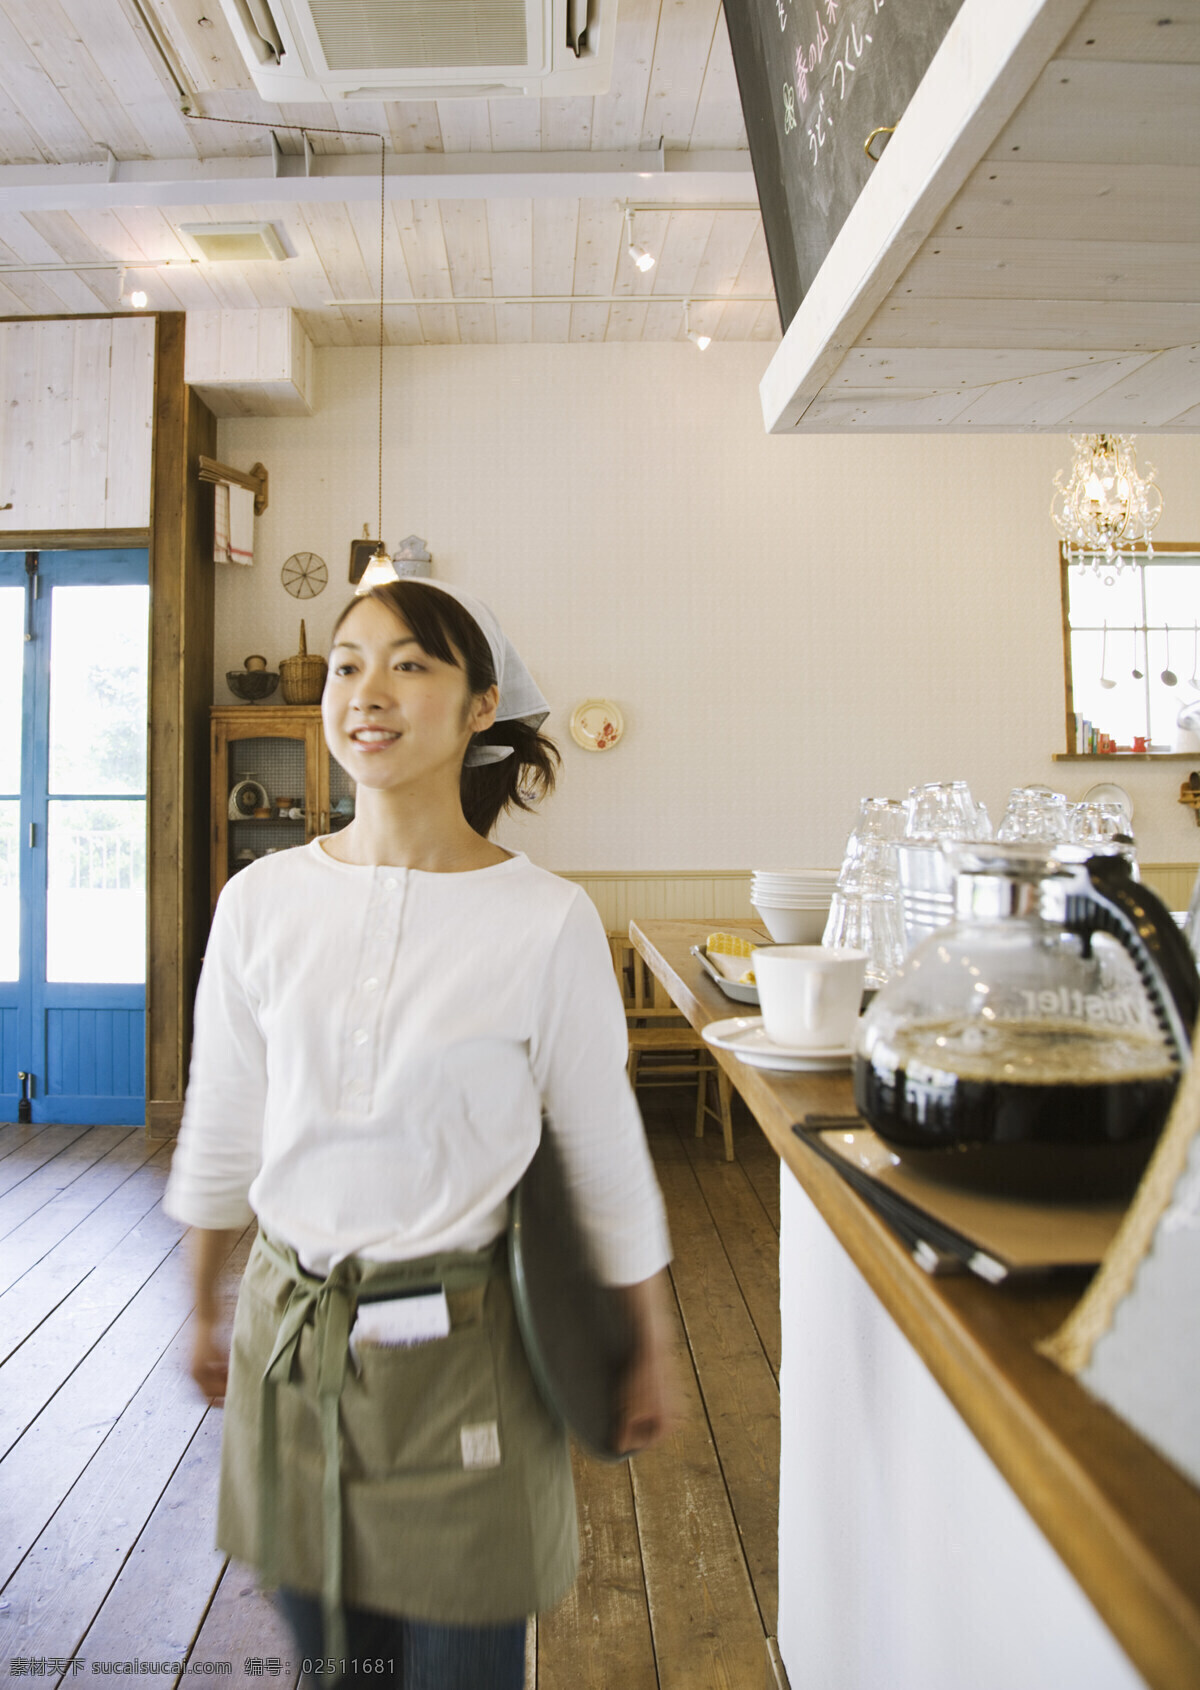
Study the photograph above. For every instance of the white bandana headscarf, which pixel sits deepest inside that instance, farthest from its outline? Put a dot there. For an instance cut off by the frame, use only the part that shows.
(521, 698)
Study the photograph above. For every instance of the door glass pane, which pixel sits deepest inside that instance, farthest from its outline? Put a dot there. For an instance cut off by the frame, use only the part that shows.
(10, 896)
(98, 675)
(96, 891)
(12, 639)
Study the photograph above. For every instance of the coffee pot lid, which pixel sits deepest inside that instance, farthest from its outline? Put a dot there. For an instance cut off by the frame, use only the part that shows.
(1024, 860)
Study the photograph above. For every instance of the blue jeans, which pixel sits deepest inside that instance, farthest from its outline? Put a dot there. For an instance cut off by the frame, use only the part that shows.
(382, 1649)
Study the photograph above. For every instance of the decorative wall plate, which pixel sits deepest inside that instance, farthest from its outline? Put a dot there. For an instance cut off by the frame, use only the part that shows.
(597, 724)
(304, 575)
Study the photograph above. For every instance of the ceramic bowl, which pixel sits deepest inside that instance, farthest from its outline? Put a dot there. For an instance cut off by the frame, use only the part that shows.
(794, 926)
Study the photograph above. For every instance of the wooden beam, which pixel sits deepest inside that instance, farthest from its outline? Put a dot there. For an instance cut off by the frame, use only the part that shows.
(72, 539)
(181, 658)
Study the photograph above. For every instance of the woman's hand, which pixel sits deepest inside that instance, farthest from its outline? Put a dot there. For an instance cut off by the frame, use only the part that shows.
(210, 1361)
(209, 1250)
(649, 1403)
(648, 1406)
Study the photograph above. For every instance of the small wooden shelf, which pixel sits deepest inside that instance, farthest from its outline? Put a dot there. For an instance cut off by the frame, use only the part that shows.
(1127, 757)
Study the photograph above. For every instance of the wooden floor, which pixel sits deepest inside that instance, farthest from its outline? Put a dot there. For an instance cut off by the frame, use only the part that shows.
(108, 1454)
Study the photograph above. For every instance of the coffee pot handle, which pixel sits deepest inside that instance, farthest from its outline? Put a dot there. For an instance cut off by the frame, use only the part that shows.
(1115, 903)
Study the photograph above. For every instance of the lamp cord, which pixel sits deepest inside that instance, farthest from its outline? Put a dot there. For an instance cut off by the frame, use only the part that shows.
(382, 183)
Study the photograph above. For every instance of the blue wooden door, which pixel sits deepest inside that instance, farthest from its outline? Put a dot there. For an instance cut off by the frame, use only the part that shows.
(74, 632)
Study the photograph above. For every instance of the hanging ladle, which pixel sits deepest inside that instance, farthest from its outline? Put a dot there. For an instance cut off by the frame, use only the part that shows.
(1168, 677)
(1104, 682)
(1137, 673)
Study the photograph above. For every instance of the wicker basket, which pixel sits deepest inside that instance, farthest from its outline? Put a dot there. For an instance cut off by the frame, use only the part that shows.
(302, 677)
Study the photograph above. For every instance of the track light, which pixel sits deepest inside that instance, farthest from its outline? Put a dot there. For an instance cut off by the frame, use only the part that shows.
(640, 256)
(700, 341)
(137, 299)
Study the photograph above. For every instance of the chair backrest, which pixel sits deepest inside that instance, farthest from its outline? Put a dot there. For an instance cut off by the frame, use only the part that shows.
(639, 988)
(624, 958)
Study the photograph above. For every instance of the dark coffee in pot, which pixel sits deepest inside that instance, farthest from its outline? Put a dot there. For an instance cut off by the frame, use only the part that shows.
(1038, 1110)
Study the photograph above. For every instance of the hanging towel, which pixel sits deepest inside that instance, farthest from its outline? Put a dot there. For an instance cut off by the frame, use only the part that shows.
(233, 524)
(221, 522)
(241, 525)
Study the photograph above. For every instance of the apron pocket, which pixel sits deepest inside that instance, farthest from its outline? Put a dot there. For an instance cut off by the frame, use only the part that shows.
(429, 1407)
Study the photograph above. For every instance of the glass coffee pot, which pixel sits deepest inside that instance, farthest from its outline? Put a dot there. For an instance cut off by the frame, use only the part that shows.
(1034, 1046)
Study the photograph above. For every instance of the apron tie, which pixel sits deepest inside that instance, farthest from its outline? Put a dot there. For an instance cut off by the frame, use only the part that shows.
(331, 1304)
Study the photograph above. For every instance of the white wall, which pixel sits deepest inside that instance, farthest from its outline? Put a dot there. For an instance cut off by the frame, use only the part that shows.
(786, 624)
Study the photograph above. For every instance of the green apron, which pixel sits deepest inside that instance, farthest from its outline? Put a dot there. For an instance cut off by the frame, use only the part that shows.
(375, 1479)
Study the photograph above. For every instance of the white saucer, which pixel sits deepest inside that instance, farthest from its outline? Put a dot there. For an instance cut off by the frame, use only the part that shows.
(746, 1037)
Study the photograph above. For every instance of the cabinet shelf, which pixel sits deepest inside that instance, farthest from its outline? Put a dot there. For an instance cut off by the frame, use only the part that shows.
(1127, 757)
(283, 746)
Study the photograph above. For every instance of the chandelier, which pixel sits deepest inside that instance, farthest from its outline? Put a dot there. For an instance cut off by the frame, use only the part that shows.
(1106, 507)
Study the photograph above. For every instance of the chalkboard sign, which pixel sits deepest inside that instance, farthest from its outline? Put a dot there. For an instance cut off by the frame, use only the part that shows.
(815, 78)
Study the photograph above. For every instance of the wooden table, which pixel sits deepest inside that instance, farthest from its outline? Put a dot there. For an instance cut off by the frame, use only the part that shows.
(1124, 1521)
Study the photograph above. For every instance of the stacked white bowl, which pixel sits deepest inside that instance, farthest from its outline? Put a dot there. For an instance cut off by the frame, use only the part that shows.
(793, 902)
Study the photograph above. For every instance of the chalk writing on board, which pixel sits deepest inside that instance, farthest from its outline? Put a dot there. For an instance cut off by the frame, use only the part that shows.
(816, 77)
(849, 44)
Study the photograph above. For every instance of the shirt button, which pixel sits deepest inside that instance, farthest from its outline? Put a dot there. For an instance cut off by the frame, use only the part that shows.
(371, 984)
(389, 884)
(360, 1035)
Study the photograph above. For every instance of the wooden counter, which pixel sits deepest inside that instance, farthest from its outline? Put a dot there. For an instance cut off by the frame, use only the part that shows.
(1124, 1521)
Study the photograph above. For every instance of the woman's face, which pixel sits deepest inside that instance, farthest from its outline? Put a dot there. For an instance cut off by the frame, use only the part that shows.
(392, 713)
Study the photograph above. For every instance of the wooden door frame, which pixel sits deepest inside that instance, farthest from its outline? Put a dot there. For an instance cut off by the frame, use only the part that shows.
(179, 541)
(182, 578)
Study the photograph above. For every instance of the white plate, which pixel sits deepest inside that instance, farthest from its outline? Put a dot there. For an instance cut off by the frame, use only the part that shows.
(1107, 790)
(795, 873)
(746, 1037)
(792, 889)
(793, 881)
(784, 900)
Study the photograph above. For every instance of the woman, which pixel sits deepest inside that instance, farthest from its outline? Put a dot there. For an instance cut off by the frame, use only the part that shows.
(382, 1018)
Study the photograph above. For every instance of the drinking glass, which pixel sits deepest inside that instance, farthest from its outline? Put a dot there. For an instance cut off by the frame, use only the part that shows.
(941, 810)
(864, 913)
(1034, 815)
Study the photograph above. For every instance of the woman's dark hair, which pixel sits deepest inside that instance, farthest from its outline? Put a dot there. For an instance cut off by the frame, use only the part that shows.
(451, 634)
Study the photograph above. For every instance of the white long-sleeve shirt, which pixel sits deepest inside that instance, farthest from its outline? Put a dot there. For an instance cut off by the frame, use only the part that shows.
(373, 1051)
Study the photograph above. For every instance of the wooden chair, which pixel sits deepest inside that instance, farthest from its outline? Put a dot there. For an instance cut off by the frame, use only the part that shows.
(673, 1051)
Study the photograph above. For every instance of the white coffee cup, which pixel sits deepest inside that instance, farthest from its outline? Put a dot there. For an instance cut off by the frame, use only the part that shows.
(809, 994)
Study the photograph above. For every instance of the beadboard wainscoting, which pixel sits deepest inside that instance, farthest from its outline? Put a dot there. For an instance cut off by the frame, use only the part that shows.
(1172, 881)
(689, 895)
(724, 894)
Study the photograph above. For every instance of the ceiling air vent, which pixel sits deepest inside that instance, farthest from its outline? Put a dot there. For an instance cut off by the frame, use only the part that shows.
(306, 50)
(236, 243)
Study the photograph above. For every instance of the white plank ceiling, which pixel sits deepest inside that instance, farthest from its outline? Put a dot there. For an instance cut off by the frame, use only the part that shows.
(1032, 262)
(83, 79)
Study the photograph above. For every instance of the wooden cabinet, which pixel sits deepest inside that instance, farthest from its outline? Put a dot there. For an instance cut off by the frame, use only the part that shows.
(251, 363)
(77, 424)
(282, 746)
